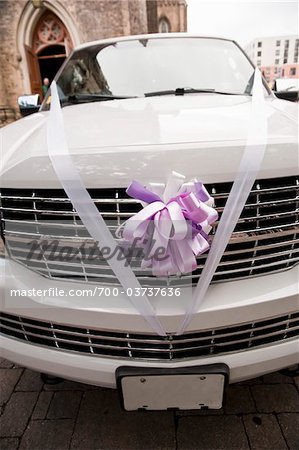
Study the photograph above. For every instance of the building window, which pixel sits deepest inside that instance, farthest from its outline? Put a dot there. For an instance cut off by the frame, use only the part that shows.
(259, 44)
(164, 26)
(258, 63)
(286, 43)
(293, 71)
(282, 73)
(277, 52)
(277, 43)
(285, 55)
(259, 53)
(276, 62)
(296, 59)
(275, 70)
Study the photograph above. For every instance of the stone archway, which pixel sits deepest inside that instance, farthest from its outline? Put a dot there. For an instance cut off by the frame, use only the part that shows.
(45, 36)
(164, 25)
(51, 44)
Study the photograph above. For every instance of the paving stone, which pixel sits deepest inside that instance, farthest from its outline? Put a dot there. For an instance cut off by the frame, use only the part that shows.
(42, 405)
(47, 435)
(8, 380)
(264, 432)
(276, 377)
(211, 433)
(70, 386)
(276, 398)
(64, 405)
(200, 412)
(239, 400)
(30, 381)
(290, 428)
(5, 364)
(9, 443)
(17, 413)
(102, 424)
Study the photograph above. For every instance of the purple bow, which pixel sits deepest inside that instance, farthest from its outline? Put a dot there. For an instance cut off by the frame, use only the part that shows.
(177, 218)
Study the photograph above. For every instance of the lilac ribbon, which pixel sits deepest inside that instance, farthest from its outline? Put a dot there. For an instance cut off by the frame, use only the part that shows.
(177, 221)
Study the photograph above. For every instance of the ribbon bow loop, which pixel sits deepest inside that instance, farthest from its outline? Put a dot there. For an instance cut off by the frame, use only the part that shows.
(181, 215)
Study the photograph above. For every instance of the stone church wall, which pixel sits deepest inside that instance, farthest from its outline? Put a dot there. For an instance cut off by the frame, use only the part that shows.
(92, 20)
(11, 77)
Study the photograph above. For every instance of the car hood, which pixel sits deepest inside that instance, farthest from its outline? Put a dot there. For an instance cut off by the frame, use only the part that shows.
(108, 134)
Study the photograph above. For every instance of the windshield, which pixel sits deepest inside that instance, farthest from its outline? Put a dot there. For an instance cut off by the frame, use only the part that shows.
(155, 66)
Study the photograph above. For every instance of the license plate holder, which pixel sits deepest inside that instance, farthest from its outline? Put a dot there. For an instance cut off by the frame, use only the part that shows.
(197, 387)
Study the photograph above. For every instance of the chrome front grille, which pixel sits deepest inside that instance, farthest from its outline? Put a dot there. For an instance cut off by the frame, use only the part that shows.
(145, 346)
(265, 239)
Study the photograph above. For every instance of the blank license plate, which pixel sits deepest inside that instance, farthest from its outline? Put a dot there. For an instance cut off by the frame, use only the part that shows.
(181, 388)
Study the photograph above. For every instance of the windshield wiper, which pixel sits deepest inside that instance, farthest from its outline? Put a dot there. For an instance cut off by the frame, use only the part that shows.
(183, 91)
(86, 98)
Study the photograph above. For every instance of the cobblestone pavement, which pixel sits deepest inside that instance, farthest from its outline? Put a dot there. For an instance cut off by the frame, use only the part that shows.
(258, 414)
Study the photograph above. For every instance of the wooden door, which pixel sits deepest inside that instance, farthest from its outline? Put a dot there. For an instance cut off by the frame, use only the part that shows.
(34, 72)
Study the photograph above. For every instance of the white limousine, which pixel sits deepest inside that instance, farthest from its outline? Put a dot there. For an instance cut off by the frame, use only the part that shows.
(138, 108)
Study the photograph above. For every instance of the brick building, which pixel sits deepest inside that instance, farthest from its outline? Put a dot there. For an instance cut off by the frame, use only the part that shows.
(37, 35)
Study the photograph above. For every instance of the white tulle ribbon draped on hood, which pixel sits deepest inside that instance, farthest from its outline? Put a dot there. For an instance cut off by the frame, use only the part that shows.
(249, 166)
(73, 185)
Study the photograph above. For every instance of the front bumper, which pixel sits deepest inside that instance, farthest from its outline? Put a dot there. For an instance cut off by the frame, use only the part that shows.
(101, 371)
(226, 304)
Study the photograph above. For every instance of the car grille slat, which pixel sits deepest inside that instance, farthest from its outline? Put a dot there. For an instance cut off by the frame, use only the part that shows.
(236, 237)
(205, 343)
(265, 239)
(221, 264)
(293, 227)
(268, 216)
(229, 252)
(178, 340)
(63, 213)
(289, 201)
